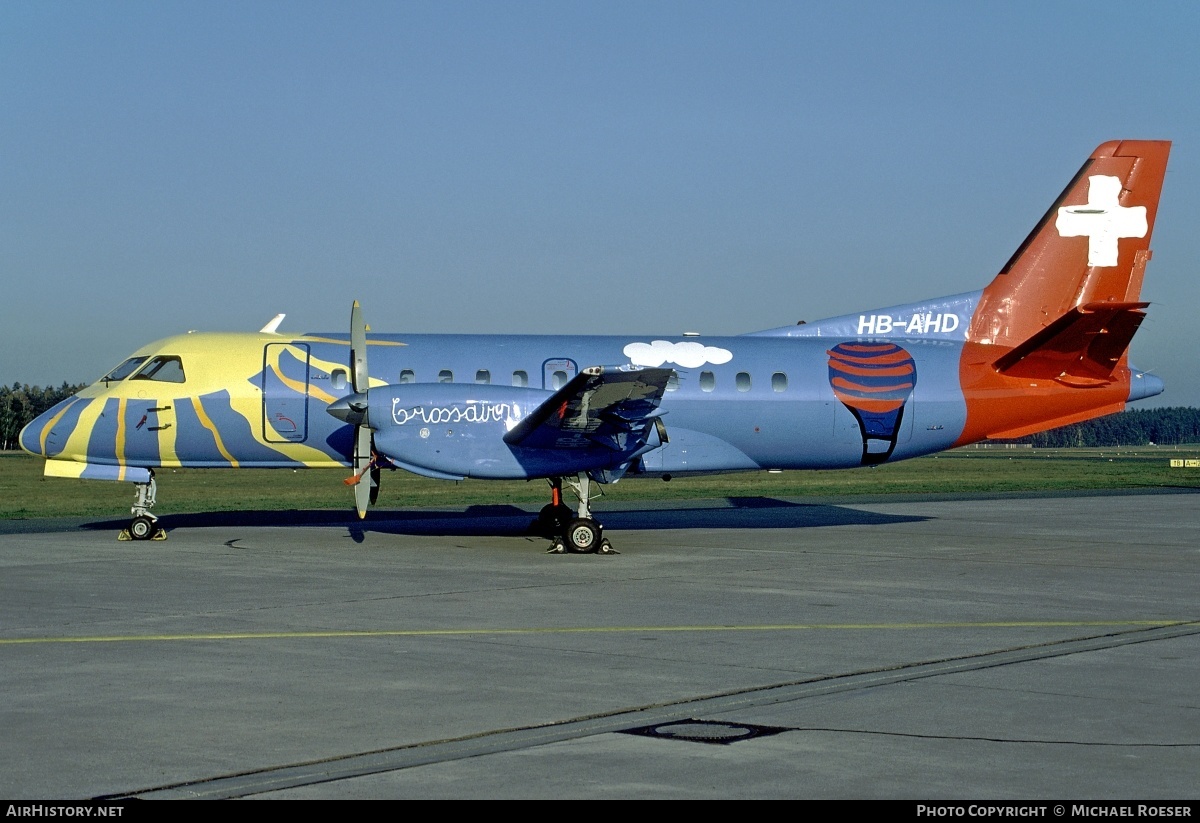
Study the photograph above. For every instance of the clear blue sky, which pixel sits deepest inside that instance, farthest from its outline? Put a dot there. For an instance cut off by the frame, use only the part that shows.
(596, 167)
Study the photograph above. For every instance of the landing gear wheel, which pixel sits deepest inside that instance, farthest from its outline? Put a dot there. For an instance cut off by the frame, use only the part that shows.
(583, 536)
(142, 528)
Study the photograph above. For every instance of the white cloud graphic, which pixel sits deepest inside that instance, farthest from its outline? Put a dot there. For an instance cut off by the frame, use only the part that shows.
(688, 354)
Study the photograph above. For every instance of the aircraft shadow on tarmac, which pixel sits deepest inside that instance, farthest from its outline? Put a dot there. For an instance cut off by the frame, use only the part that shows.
(508, 520)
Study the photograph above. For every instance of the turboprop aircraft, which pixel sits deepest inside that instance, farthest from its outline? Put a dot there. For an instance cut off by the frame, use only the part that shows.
(1042, 345)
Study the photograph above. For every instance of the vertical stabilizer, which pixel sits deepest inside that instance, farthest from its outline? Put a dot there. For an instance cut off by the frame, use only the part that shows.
(1047, 344)
(1091, 247)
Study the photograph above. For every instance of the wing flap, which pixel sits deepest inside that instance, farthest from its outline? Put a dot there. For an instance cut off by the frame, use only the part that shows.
(600, 406)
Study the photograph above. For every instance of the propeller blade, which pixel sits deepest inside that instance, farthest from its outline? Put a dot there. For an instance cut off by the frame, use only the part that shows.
(358, 349)
(353, 410)
(362, 464)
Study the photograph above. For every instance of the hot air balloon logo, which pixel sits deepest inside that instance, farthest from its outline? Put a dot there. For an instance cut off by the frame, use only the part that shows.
(873, 380)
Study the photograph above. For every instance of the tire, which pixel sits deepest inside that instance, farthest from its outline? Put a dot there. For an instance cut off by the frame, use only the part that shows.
(142, 528)
(583, 536)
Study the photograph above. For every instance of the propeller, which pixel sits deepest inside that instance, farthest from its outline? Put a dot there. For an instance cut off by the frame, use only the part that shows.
(353, 410)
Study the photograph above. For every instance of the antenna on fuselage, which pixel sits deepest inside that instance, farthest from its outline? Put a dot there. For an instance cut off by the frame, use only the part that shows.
(273, 326)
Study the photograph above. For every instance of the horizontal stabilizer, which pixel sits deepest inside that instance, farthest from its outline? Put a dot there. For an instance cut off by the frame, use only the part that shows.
(1080, 349)
(598, 406)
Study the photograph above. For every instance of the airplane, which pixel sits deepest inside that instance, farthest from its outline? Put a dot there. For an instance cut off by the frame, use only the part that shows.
(1043, 345)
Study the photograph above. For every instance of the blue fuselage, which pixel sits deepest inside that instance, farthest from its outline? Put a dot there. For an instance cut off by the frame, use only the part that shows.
(441, 403)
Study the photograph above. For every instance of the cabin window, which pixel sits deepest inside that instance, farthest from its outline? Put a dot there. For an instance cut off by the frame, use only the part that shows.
(124, 370)
(164, 368)
(779, 381)
(407, 376)
(673, 382)
(708, 381)
(445, 376)
(558, 380)
(483, 376)
(742, 381)
(337, 379)
(520, 378)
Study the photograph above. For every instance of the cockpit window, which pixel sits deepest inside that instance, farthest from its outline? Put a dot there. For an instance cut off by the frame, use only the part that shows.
(124, 370)
(164, 368)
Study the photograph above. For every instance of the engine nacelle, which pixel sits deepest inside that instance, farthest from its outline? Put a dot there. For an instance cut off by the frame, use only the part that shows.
(455, 430)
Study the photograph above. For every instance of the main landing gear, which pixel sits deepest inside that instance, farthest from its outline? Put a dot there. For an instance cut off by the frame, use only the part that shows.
(144, 525)
(572, 531)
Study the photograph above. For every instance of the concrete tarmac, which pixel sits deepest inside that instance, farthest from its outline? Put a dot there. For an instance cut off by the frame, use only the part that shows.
(969, 649)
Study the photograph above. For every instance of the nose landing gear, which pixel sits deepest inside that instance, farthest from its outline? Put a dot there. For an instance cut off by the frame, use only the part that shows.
(144, 525)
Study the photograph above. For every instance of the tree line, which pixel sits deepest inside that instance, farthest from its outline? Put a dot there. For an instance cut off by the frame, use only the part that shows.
(21, 403)
(1170, 426)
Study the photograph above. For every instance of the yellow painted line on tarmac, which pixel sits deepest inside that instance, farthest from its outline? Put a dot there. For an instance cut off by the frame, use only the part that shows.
(782, 627)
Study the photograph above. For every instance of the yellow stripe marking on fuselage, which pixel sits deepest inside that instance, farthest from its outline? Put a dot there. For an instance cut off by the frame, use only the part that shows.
(167, 455)
(316, 339)
(120, 443)
(45, 432)
(207, 423)
(301, 388)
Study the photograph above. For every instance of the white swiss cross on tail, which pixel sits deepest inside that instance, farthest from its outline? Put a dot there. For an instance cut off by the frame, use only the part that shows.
(1103, 221)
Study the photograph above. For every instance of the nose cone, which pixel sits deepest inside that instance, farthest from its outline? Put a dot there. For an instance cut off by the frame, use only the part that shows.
(1143, 385)
(46, 435)
(30, 437)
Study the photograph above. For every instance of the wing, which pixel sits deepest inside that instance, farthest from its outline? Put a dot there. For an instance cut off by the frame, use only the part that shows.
(606, 406)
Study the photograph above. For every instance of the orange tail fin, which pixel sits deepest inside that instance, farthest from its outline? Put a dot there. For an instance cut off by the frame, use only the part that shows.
(1091, 246)
(1048, 340)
